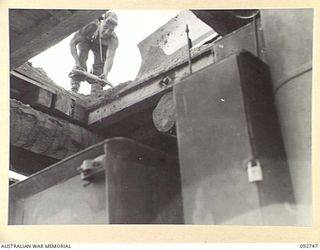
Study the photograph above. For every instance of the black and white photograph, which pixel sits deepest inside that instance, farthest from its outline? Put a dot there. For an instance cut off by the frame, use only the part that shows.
(175, 117)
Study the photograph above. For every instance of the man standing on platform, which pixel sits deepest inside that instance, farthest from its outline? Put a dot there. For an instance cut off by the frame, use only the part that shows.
(99, 37)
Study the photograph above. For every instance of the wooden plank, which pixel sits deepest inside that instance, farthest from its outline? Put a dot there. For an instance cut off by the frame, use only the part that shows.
(29, 80)
(43, 134)
(14, 92)
(40, 98)
(20, 19)
(60, 15)
(80, 113)
(125, 106)
(46, 34)
(68, 107)
(63, 105)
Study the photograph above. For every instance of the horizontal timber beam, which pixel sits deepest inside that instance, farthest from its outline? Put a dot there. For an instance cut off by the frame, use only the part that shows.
(43, 134)
(48, 33)
(49, 99)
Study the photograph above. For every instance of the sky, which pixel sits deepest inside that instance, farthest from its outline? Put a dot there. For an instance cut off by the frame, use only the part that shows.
(133, 27)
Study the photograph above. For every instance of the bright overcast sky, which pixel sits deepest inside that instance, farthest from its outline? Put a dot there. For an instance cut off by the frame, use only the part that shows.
(133, 27)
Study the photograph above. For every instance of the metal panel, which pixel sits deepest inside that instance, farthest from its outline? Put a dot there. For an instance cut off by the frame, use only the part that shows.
(249, 38)
(143, 184)
(216, 140)
(275, 192)
(51, 195)
(69, 202)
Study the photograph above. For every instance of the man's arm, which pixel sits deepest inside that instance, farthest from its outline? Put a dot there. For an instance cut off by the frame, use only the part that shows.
(110, 53)
(73, 48)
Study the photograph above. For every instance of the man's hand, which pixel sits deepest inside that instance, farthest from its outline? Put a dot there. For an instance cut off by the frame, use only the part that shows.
(103, 76)
(78, 67)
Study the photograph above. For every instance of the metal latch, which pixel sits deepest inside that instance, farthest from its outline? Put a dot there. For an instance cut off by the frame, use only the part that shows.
(91, 167)
(254, 171)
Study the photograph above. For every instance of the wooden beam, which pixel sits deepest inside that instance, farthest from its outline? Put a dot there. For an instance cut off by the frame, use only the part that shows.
(60, 15)
(51, 99)
(40, 98)
(43, 134)
(15, 92)
(125, 106)
(52, 88)
(67, 107)
(46, 34)
(31, 81)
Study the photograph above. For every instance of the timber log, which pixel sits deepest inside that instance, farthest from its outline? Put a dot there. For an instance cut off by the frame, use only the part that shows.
(43, 134)
(164, 113)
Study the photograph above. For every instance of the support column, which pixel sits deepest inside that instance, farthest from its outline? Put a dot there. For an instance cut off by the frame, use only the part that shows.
(288, 36)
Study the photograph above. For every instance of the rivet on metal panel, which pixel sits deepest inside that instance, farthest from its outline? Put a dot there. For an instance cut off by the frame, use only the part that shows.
(165, 81)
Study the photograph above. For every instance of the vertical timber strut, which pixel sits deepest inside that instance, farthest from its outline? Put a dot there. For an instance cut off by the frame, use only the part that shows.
(189, 43)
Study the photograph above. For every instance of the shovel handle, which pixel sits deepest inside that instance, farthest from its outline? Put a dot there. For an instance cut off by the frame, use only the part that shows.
(91, 76)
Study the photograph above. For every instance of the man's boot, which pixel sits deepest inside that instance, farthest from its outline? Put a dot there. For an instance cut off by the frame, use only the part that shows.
(96, 89)
(75, 85)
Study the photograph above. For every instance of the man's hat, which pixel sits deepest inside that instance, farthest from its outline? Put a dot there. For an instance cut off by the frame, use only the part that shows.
(112, 15)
